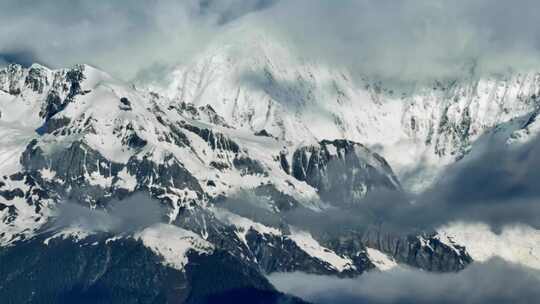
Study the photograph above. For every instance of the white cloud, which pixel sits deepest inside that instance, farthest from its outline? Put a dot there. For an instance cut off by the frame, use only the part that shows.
(494, 282)
(400, 41)
(414, 39)
(122, 37)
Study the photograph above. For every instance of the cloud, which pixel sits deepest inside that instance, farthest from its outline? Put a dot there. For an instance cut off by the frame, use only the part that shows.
(128, 215)
(121, 37)
(23, 57)
(283, 91)
(230, 10)
(492, 282)
(395, 41)
(497, 185)
(248, 204)
(413, 40)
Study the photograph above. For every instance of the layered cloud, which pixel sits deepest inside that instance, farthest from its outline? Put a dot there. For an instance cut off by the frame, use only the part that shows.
(415, 39)
(497, 186)
(492, 282)
(122, 37)
(133, 213)
(398, 41)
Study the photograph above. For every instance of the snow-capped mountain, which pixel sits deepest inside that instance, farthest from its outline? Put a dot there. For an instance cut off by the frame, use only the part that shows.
(256, 84)
(231, 146)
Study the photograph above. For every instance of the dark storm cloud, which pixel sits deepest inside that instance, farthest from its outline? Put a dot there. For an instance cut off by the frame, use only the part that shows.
(497, 185)
(22, 57)
(130, 214)
(493, 282)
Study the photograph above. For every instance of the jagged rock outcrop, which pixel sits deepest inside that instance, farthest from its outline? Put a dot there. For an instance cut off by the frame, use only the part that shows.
(425, 251)
(342, 171)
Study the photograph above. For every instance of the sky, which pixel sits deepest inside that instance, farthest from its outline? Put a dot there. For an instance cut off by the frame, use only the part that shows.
(121, 37)
(401, 41)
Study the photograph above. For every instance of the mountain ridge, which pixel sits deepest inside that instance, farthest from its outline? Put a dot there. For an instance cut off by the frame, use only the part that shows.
(92, 140)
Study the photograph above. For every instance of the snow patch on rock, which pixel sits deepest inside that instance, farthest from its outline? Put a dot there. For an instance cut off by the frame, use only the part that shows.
(173, 244)
(308, 244)
(380, 260)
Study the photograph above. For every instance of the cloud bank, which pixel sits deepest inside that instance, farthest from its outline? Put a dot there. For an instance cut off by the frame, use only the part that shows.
(415, 40)
(497, 186)
(395, 41)
(135, 212)
(121, 37)
(493, 282)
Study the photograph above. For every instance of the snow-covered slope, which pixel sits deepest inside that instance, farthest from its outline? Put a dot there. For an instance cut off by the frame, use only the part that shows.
(517, 244)
(237, 141)
(256, 83)
(173, 243)
(96, 140)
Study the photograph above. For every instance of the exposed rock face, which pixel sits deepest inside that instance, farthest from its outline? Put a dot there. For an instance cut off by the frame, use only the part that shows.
(84, 175)
(63, 91)
(423, 251)
(217, 141)
(342, 171)
(121, 271)
(71, 169)
(58, 87)
(281, 254)
(10, 78)
(116, 272)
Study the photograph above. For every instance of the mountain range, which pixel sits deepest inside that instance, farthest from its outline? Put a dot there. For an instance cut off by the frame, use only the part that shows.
(248, 160)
